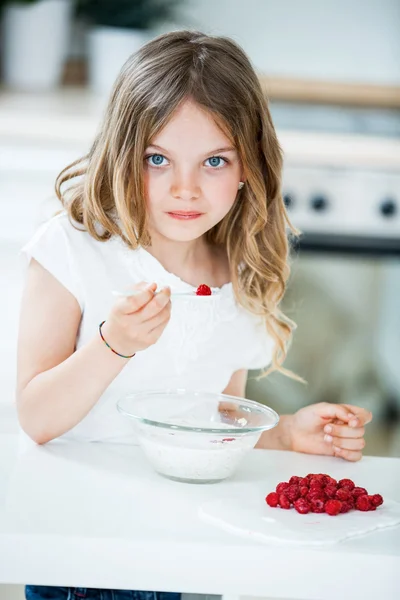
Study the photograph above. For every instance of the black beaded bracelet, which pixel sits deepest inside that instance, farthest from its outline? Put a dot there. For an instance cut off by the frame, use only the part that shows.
(108, 345)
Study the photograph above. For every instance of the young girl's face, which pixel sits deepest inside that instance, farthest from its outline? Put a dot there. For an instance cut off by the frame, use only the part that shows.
(191, 173)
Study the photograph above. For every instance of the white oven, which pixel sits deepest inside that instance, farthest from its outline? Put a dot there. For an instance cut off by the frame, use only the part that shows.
(341, 187)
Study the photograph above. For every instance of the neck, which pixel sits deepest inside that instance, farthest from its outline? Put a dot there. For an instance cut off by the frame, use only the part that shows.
(194, 262)
(177, 256)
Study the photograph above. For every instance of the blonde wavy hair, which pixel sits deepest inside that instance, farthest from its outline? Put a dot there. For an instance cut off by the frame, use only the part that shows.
(107, 187)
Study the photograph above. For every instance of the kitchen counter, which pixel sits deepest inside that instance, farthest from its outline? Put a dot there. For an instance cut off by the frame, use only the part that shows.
(71, 116)
(96, 515)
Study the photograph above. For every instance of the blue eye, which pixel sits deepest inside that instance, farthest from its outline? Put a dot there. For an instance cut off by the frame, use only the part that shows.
(215, 161)
(156, 160)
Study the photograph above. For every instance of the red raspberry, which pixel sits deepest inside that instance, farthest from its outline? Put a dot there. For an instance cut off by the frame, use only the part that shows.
(303, 491)
(346, 507)
(316, 495)
(359, 491)
(316, 488)
(272, 499)
(320, 478)
(363, 503)
(376, 499)
(203, 290)
(304, 482)
(284, 501)
(316, 483)
(333, 507)
(292, 492)
(294, 480)
(347, 483)
(281, 487)
(371, 503)
(317, 505)
(330, 490)
(343, 494)
(302, 506)
(331, 481)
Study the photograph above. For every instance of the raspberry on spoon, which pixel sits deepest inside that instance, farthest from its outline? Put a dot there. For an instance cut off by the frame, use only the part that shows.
(203, 290)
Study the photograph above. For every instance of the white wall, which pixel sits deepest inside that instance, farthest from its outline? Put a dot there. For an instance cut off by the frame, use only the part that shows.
(347, 40)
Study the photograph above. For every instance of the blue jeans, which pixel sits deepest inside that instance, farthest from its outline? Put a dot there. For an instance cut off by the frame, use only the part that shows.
(40, 592)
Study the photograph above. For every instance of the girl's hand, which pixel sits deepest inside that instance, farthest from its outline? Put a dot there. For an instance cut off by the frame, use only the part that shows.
(137, 322)
(330, 429)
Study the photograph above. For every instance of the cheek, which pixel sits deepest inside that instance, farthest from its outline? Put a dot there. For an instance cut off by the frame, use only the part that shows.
(223, 193)
(153, 190)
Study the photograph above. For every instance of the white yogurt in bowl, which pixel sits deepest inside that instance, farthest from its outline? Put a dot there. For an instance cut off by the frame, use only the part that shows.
(196, 437)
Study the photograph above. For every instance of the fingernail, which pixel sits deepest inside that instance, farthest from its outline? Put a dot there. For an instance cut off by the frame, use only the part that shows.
(353, 423)
(336, 449)
(328, 428)
(328, 438)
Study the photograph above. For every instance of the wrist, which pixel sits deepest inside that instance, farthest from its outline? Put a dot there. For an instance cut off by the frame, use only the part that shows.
(286, 422)
(115, 342)
(279, 438)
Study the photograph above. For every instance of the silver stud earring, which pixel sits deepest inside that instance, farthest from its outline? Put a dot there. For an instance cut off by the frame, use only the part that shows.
(241, 184)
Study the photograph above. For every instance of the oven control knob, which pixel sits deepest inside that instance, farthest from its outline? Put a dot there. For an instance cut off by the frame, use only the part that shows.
(288, 199)
(319, 203)
(388, 207)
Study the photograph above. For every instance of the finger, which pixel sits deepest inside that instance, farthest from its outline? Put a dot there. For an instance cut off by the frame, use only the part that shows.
(160, 318)
(327, 411)
(348, 443)
(134, 303)
(158, 302)
(359, 416)
(350, 455)
(344, 431)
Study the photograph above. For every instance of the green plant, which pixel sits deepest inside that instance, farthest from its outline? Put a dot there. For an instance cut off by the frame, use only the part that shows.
(127, 14)
(4, 3)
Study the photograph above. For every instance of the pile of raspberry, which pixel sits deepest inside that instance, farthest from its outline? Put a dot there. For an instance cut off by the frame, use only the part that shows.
(320, 493)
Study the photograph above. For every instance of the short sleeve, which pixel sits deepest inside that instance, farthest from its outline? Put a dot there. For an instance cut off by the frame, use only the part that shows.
(257, 352)
(51, 246)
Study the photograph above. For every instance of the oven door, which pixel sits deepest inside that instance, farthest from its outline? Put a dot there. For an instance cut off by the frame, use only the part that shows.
(344, 296)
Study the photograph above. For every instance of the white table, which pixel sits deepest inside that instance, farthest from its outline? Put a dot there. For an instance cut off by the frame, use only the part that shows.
(95, 515)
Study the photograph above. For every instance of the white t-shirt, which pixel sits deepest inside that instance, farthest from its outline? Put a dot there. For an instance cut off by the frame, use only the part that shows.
(205, 342)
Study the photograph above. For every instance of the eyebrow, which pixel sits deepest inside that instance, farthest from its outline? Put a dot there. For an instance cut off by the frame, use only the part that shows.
(218, 150)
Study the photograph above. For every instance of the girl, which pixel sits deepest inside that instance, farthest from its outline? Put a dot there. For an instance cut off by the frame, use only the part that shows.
(181, 187)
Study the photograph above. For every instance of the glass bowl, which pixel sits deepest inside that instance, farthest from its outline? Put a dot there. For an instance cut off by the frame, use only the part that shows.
(197, 437)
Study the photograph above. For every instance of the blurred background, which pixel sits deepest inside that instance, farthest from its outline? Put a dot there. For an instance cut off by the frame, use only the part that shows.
(331, 70)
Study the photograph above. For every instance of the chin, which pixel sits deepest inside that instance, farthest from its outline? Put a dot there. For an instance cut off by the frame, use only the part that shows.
(183, 232)
(182, 236)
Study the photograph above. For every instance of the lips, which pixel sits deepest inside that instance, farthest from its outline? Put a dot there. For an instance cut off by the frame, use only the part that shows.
(184, 215)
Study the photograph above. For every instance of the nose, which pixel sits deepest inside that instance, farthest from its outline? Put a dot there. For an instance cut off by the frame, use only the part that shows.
(185, 185)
